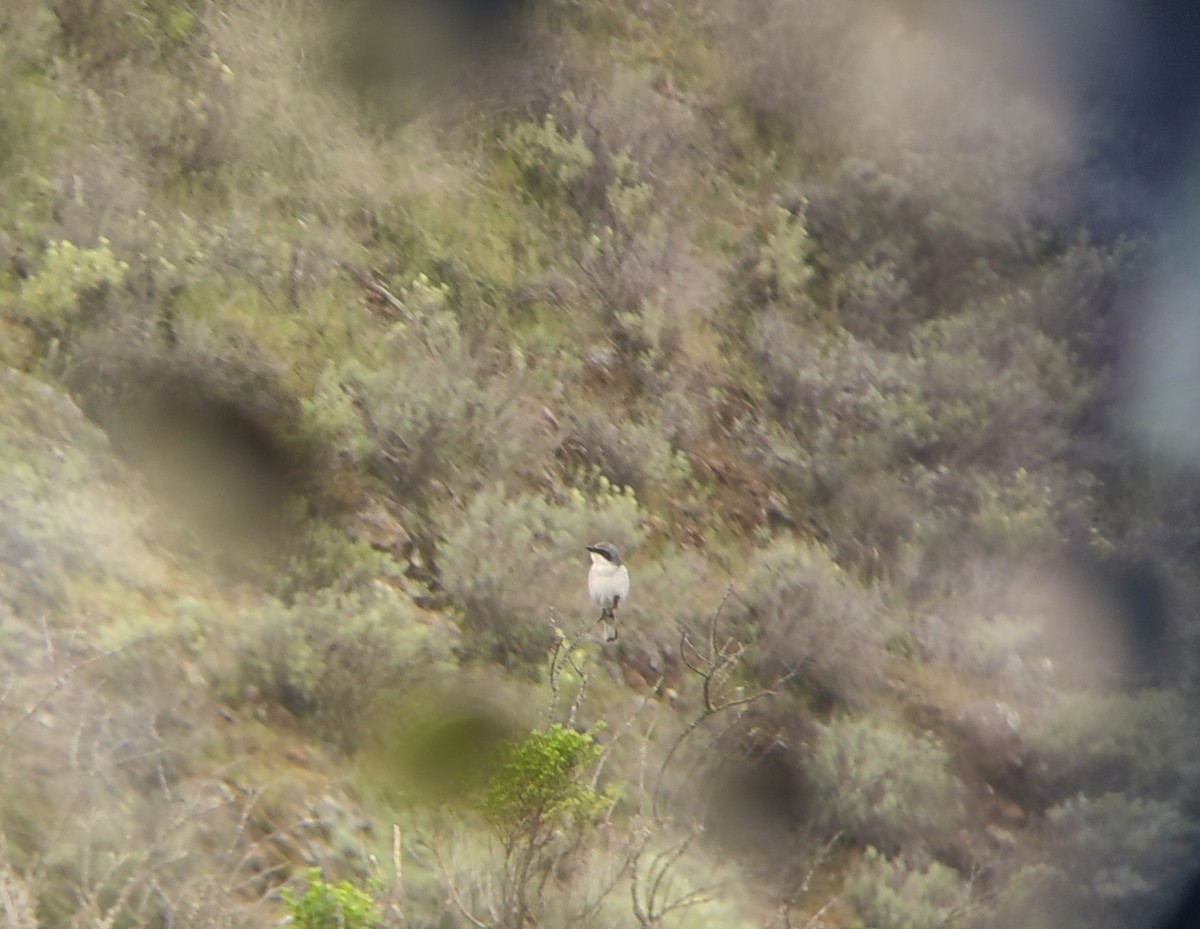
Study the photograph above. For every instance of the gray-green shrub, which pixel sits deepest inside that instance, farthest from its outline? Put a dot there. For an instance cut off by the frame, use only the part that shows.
(1095, 742)
(1115, 858)
(890, 895)
(423, 417)
(511, 558)
(810, 621)
(336, 656)
(884, 786)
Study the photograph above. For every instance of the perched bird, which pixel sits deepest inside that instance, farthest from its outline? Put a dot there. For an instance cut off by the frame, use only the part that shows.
(608, 583)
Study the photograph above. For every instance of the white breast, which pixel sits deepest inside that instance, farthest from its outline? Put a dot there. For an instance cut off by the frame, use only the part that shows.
(607, 582)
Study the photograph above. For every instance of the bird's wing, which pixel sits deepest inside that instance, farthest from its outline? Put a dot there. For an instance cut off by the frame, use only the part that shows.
(623, 582)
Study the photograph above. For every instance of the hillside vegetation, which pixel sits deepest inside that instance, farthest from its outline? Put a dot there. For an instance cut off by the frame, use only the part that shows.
(331, 333)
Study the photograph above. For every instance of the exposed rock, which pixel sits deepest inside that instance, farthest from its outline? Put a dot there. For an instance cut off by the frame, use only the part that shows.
(991, 732)
(382, 531)
(1002, 839)
(601, 360)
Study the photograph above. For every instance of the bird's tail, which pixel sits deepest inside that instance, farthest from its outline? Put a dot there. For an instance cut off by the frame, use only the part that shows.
(609, 618)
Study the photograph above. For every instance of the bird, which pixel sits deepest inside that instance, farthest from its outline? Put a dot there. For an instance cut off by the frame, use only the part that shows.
(608, 583)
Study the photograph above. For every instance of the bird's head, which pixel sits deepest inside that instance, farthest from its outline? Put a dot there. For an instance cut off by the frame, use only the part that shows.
(605, 551)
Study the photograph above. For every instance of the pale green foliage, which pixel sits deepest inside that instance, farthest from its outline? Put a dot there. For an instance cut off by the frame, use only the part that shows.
(331, 906)
(888, 895)
(629, 198)
(338, 655)
(551, 159)
(1142, 742)
(648, 336)
(989, 644)
(34, 120)
(62, 521)
(1009, 652)
(626, 452)
(909, 454)
(322, 555)
(883, 786)
(782, 266)
(332, 413)
(540, 782)
(419, 418)
(511, 558)
(430, 298)
(1116, 855)
(675, 589)
(70, 276)
(1016, 516)
(812, 622)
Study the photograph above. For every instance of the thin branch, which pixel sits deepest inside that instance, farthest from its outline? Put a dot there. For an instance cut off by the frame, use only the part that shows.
(62, 679)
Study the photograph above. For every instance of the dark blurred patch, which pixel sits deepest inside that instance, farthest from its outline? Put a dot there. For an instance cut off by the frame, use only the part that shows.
(1135, 608)
(1183, 913)
(409, 47)
(1129, 71)
(208, 423)
(1155, 90)
(1136, 72)
(760, 796)
(439, 744)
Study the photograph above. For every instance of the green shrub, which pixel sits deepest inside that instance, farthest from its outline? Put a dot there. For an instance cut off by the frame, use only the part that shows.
(1116, 859)
(426, 420)
(332, 906)
(1100, 742)
(885, 787)
(103, 32)
(782, 270)
(811, 620)
(338, 656)
(511, 559)
(906, 457)
(1015, 516)
(539, 782)
(323, 555)
(552, 160)
(71, 281)
(888, 895)
(626, 452)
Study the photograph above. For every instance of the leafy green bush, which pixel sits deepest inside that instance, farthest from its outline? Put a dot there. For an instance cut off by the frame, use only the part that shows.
(812, 622)
(337, 656)
(539, 781)
(888, 895)
(332, 906)
(510, 559)
(71, 282)
(1016, 515)
(885, 787)
(103, 32)
(1007, 651)
(781, 270)
(552, 160)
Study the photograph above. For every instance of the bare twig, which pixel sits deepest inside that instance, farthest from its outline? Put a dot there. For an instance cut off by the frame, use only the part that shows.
(785, 906)
(714, 668)
(381, 293)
